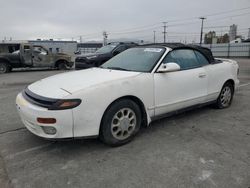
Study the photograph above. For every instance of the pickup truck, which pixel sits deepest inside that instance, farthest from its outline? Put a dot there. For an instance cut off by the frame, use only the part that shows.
(28, 55)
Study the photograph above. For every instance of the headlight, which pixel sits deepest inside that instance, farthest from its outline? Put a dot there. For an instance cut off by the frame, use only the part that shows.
(65, 104)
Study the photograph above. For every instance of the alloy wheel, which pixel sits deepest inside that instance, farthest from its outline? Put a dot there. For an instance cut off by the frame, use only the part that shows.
(226, 95)
(123, 123)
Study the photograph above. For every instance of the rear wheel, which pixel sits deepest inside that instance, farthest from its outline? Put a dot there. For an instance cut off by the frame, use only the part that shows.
(120, 123)
(4, 68)
(226, 96)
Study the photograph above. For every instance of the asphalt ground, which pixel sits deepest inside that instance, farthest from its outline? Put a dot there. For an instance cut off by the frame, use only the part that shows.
(200, 148)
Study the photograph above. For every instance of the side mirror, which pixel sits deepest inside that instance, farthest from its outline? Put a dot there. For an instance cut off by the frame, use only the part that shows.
(169, 67)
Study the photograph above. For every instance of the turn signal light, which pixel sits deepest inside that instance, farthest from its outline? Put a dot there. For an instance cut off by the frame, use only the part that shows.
(46, 120)
(65, 104)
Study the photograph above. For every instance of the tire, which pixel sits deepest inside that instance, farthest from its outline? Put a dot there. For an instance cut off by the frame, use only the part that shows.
(120, 123)
(4, 68)
(226, 96)
(62, 66)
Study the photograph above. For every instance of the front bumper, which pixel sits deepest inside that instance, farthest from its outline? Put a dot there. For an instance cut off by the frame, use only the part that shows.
(83, 65)
(30, 112)
(70, 64)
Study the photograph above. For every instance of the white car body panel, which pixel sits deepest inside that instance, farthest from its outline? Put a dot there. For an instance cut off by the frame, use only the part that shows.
(95, 101)
(61, 85)
(29, 114)
(218, 74)
(97, 88)
(172, 93)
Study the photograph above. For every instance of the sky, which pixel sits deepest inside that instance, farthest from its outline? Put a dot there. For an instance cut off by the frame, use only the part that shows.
(126, 19)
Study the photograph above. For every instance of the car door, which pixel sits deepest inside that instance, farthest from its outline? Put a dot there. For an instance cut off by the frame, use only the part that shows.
(27, 55)
(183, 88)
(41, 57)
(214, 73)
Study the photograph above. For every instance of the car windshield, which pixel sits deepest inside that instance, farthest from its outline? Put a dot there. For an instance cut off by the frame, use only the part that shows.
(135, 59)
(106, 49)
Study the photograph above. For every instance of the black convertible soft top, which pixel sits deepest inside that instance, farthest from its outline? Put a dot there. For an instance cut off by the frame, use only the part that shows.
(205, 51)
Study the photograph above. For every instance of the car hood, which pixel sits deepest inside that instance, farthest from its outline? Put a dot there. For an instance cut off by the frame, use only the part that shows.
(62, 85)
(95, 55)
(86, 55)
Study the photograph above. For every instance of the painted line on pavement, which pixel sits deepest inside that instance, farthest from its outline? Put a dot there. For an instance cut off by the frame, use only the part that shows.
(243, 85)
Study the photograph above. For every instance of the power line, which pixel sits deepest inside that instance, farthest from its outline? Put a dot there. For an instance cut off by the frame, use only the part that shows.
(131, 30)
(134, 31)
(228, 11)
(227, 17)
(208, 15)
(149, 27)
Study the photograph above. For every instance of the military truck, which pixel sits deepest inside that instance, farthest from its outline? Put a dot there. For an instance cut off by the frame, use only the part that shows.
(28, 55)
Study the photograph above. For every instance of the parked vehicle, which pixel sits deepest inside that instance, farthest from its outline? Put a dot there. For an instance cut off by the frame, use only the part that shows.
(102, 55)
(28, 55)
(130, 90)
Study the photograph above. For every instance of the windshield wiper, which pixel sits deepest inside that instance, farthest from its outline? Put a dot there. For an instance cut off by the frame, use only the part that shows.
(117, 68)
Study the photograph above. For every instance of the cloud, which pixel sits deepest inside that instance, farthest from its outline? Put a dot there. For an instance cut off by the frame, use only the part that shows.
(31, 19)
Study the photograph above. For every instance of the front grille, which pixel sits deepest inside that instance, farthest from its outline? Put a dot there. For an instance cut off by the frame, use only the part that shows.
(80, 59)
(37, 99)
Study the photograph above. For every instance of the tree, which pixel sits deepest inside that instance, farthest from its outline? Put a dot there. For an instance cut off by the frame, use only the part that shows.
(223, 39)
(209, 37)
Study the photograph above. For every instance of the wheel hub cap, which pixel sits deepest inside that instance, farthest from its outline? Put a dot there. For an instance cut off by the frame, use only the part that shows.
(226, 96)
(123, 123)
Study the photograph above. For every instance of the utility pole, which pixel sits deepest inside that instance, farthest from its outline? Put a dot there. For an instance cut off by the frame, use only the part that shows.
(154, 36)
(202, 20)
(105, 38)
(164, 30)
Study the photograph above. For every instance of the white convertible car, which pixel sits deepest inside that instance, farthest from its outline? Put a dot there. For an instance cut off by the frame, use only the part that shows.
(130, 90)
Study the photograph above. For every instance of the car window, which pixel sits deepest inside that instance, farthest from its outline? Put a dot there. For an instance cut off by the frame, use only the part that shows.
(202, 60)
(185, 58)
(106, 49)
(39, 50)
(120, 49)
(135, 59)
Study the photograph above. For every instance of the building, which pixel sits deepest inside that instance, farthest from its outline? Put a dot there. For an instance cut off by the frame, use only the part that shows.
(57, 46)
(85, 48)
(232, 32)
(249, 33)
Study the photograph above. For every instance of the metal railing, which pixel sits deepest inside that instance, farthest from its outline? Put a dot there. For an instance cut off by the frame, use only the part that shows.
(241, 50)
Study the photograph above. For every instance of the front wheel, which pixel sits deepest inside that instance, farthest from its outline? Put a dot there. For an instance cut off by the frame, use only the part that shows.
(62, 66)
(4, 68)
(120, 123)
(226, 96)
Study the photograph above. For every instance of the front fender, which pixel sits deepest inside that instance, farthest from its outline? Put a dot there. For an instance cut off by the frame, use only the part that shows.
(95, 100)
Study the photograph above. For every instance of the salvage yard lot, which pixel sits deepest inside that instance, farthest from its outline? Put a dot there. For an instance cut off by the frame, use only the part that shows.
(200, 148)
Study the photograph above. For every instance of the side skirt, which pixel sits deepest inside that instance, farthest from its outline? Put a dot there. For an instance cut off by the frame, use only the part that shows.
(182, 110)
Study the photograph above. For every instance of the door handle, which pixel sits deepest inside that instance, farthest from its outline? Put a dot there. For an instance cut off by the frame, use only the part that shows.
(202, 75)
